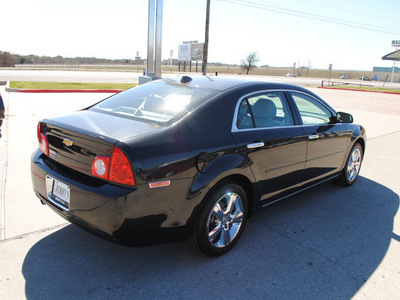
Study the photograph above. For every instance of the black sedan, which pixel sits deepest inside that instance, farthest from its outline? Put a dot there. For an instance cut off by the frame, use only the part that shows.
(190, 158)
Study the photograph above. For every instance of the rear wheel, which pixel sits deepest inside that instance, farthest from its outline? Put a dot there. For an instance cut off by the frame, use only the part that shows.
(221, 220)
(352, 167)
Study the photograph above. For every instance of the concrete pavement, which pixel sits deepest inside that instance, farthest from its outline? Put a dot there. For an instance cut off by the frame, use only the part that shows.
(19, 141)
(327, 243)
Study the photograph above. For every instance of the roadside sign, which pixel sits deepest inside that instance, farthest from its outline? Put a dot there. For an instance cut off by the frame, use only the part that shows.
(197, 51)
(396, 43)
(184, 52)
(190, 51)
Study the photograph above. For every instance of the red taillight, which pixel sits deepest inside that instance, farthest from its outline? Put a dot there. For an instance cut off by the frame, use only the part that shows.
(42, 140)
(116, 168)
(120, 168)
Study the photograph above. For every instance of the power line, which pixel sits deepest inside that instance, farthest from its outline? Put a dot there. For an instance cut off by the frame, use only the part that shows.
(316, 17)
(345, 9)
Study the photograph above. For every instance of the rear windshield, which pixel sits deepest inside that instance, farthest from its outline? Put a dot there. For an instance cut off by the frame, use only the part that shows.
(162, 101)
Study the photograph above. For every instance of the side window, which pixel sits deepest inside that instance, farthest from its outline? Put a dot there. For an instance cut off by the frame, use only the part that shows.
(267, 109)
(311, 111)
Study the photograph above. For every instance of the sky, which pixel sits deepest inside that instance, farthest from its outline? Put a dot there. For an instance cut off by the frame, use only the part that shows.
(347, 34)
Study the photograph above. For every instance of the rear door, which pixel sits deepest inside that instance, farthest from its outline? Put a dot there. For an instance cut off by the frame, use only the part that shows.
(264, 130)
(326, 141)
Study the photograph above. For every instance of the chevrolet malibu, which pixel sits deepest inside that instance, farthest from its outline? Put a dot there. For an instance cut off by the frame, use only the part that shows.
(190, 158)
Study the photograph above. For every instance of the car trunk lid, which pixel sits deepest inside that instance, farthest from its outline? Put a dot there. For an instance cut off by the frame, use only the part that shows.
(75, 140)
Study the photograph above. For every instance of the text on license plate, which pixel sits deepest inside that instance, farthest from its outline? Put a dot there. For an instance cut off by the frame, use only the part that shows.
(61, 193)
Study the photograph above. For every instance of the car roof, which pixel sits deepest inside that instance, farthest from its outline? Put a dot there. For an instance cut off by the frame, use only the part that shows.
(225, 83)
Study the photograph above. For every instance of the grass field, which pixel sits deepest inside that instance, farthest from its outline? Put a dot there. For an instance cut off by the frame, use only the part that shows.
(364, 88)
(31, 85)
(223, 69)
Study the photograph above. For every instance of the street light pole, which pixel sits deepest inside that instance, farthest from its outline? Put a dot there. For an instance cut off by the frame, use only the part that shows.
(205, 50)
(154, 38)
(150, 37)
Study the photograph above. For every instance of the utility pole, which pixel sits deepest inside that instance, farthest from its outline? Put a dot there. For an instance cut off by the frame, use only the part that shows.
(205, 51)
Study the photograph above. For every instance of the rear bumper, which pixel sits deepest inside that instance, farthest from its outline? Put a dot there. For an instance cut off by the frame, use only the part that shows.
(135, 216)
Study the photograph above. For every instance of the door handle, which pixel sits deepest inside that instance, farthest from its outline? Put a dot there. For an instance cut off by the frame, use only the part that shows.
(255, 145)
(313, 137)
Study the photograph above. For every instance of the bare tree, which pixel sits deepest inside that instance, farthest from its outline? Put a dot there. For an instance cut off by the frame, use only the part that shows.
(6, 59)
(249, 62)
(308, 67)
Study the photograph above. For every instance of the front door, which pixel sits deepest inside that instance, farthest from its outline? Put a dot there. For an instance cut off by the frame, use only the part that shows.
(326, 141)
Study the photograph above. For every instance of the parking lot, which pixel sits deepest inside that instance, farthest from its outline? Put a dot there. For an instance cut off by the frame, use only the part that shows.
(326, 243)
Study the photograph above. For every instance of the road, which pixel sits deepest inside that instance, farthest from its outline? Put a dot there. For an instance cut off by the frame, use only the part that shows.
(85, 76)
(327, 243)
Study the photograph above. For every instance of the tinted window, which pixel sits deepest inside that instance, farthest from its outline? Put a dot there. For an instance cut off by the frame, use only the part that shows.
(311, 111)
(268, 109)
(160, 101)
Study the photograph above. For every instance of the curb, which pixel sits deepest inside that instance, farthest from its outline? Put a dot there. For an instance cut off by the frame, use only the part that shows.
(357, 90)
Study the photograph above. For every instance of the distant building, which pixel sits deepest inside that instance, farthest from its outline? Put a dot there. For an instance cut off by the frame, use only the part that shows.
(167, 62)
(383, 73)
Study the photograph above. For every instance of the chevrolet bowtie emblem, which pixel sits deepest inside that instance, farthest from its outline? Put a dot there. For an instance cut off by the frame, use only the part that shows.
(67, 142)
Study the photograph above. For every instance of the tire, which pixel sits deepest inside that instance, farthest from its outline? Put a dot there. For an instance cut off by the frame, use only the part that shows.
(221, 220)
(352, 168)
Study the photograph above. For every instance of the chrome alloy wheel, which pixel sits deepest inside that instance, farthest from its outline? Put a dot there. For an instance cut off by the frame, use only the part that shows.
(225, 220)
(354, 164)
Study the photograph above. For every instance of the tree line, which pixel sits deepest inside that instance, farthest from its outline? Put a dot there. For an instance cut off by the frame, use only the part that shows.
(7, 59)
(10, 60)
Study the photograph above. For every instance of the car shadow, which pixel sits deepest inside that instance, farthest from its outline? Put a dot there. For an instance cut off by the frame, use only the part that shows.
(324, 243)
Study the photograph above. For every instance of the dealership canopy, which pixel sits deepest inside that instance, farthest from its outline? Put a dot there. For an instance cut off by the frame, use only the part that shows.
(392, 56)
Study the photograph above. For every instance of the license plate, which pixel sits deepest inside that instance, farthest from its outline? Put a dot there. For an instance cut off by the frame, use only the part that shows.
(61, 193)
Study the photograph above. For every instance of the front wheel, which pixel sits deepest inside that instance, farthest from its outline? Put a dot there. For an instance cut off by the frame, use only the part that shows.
(352, 167)
(221, 220)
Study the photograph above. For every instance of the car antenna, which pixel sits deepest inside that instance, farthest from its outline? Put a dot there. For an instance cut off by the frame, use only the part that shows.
(186, 79)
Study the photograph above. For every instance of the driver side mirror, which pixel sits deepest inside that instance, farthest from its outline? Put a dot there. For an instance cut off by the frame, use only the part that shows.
(342, 117)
